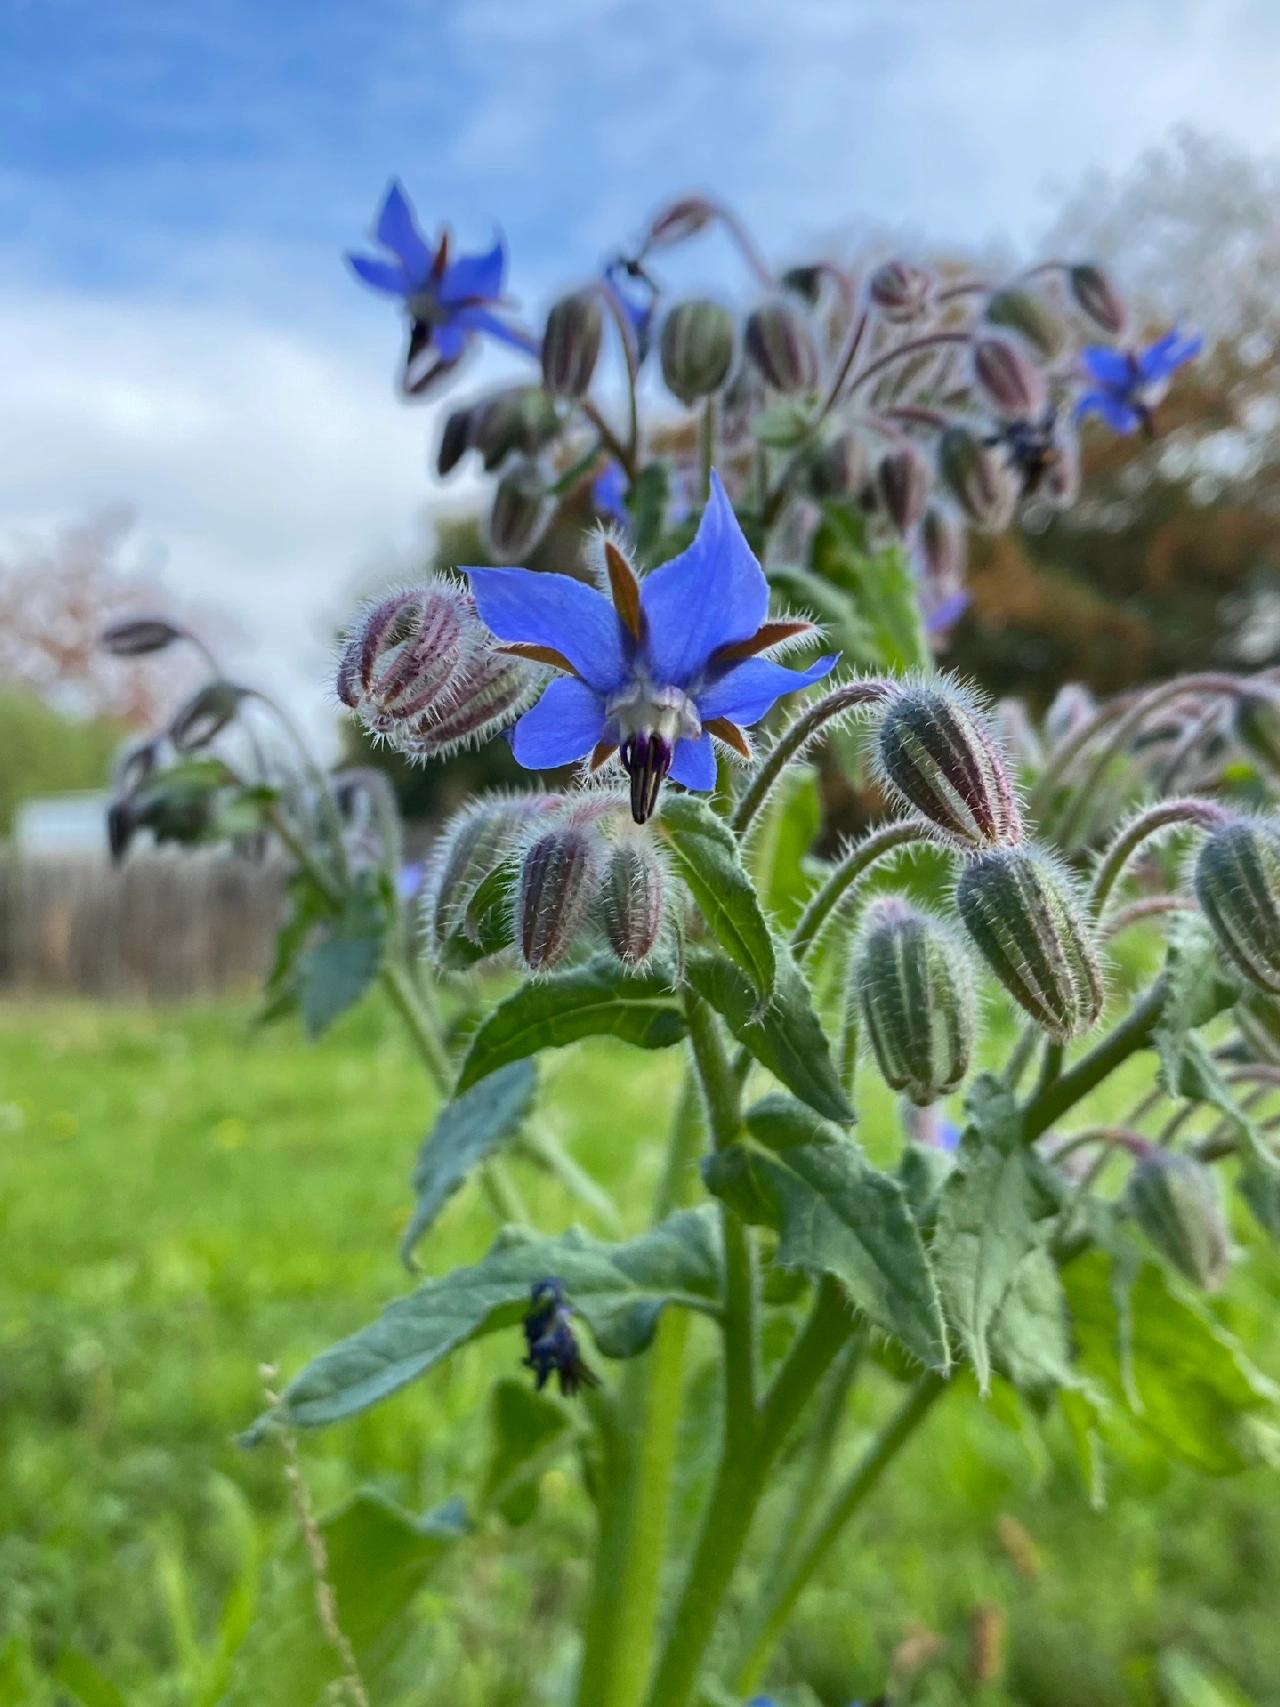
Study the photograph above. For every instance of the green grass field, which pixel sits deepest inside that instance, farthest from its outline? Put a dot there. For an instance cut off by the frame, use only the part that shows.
(184, 1198)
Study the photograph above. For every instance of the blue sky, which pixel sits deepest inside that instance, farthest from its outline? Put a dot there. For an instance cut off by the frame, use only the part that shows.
(176, 184)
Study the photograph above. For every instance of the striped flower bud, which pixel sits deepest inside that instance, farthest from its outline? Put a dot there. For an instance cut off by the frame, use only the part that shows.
(1237, 883)
(558, 882)
(902, 486)
(1008, 378)
(1024, 916)
(455, 440)
(900, 291)
(205, 715)
(938, 752)
(135, 636)
(519, 420)
(940, 544)
(696, 349)
(571, 344)
(494, 690)
(408, 654)
(909, 980)
(1097, 298)
(1176, 1202)
(1031, 317)
(841, 467)
(633, 899)
(520, 513)
(976, 479)
(778, 339)
(1256, 724)
(474, 844)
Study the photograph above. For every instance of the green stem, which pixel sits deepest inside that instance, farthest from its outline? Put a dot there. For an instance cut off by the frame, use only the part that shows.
(852, 696)
(1170, 814)
(707, 446)
(1133, 1033)
(398, 984)
(853, 864)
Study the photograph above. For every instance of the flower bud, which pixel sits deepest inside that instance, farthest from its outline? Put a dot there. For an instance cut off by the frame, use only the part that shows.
(1097, 298)
(490, 694)
(407, 654)
(678, 221)
(1176, 1202)
(455, 440)
(135, 636)
(696, 349)
(520, 513)
(632, 899)
(805, 281)
(902, 486)
(900, 291)
(475, 842)
(1256, 724)
(1237, 883)
(558, 883)
(938, 753)
(521, 419)
(909, 979)
(571, 344)
(1028, 314)
(1026, 920)
(975, 477)
(1006, 375)
(779, 341)
(941, 550)
(1070, 709)
(205, 715)
(841, 467)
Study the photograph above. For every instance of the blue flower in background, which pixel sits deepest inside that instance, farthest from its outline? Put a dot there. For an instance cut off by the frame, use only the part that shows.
(1127, 384)
(449, 302)
(638, 295)
(609, 493)
(658, 670)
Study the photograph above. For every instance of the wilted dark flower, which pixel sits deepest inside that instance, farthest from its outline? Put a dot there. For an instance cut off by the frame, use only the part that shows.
(937, 752)
(551, 1342)
(697, 349)
(1128, 384)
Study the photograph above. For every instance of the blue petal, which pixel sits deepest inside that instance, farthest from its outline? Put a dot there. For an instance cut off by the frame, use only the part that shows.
(397, 230)
(694, 764)
(750, 689)
(1167, 353)
(1120, 416)
(475, 278)
(480, 320)
(565, 725)
(710, 595)
(1109, 367)
(947, 612)
(450, 337)
(554, 610)
(386, 276)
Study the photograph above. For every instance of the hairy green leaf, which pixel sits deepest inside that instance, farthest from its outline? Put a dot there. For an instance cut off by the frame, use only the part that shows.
(706, 853)
(780, 846)
(879, 584)
(342, 960)
(528, 1431)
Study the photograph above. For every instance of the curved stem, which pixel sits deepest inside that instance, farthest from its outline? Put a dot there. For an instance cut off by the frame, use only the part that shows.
(791, 743)
(912, 347)
(853, 864)
(317, 774)
(631, 355)
(1197, 814)
(1153, 906)
(608, 437)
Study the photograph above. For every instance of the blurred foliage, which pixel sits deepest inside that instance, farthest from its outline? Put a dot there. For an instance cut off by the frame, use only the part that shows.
(45, 751)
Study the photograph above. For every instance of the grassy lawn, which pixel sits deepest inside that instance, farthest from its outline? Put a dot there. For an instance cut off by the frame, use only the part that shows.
(184, 1198)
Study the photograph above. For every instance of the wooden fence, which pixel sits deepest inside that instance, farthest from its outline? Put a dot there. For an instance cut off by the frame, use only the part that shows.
(160, 928)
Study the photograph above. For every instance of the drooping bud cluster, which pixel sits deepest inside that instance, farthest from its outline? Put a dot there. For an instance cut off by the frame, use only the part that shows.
(937, 751)
(909, 980)
(1176, 1202)
(571, 344)
(1026, 919)
(519, 420)
(1237, 883)
(778, 339)
(477, 842)
(696, 349)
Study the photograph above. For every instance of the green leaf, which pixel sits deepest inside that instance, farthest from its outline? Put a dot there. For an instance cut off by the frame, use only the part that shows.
(339, 965)
(988, 1215)
(836, 1215)
(618, 1290)
(1030, 1341)
(466, 1131)
(706, 852)
(880, 585)
(86, 1683)
(780, 846)
(1189, 1385)
(528, 1431)
(783, 426)
(598, 1000)
(1082, 1414)
(488, 924)
(786, 1035)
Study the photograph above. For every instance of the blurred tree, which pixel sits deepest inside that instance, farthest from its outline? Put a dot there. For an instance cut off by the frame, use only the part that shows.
(47, 751)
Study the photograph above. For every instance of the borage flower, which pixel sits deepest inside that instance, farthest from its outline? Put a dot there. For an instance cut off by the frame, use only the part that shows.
(449, 302)
(1128, 384)
(673, 660)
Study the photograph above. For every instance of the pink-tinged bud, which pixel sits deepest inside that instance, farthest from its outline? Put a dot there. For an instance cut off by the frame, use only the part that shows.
(909, 979)
(1176, 1202)
(940, 543)
(938, 753)
(678, 221)
(205, 715)
(1027, 920)
(1237, 883)
(976, 479)
(518, 421)
(1098, 299)
(558, 883)
(900, 291)
(455, 440)
(484, 836)
(696, 349)
(632, 899)
(1030, 316)
(571, 344)
(520, 514)
(1070, 709)
(902, 486)
(778, 339)
(135, 636)
(1256, 724)
(493, 691)
(1008, 378)
(408, 653)
(841, 467)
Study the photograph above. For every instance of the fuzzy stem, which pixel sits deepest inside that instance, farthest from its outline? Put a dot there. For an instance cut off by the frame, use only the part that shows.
(854, 863)
(913, 346)
(1198, 814)
(796, 736)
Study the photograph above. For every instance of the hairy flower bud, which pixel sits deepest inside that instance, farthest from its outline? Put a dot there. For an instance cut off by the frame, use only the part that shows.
(408, 653)
(976, 479)
(778, 339)
(558, 883)
(520, 513)
(840, 467)
(1007, 376)
(900, 291)
(1097, 298)
(632, 899)
(1256, 724)
(1176, 1202)
(571, 344)
(492, 692)
(205, 715)
(135, 636)
(696, 349)
(1028, 314)
(1237, 883)
(909, 979)
(941, 548)
(1028, 923)
(455, 439)
(474, 844)
(938, 753)
(519, 420)
(902, 486)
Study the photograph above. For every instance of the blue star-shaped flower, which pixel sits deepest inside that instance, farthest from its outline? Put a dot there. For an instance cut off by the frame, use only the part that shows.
(1127, 384)
(449, 302)
(657, 670)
